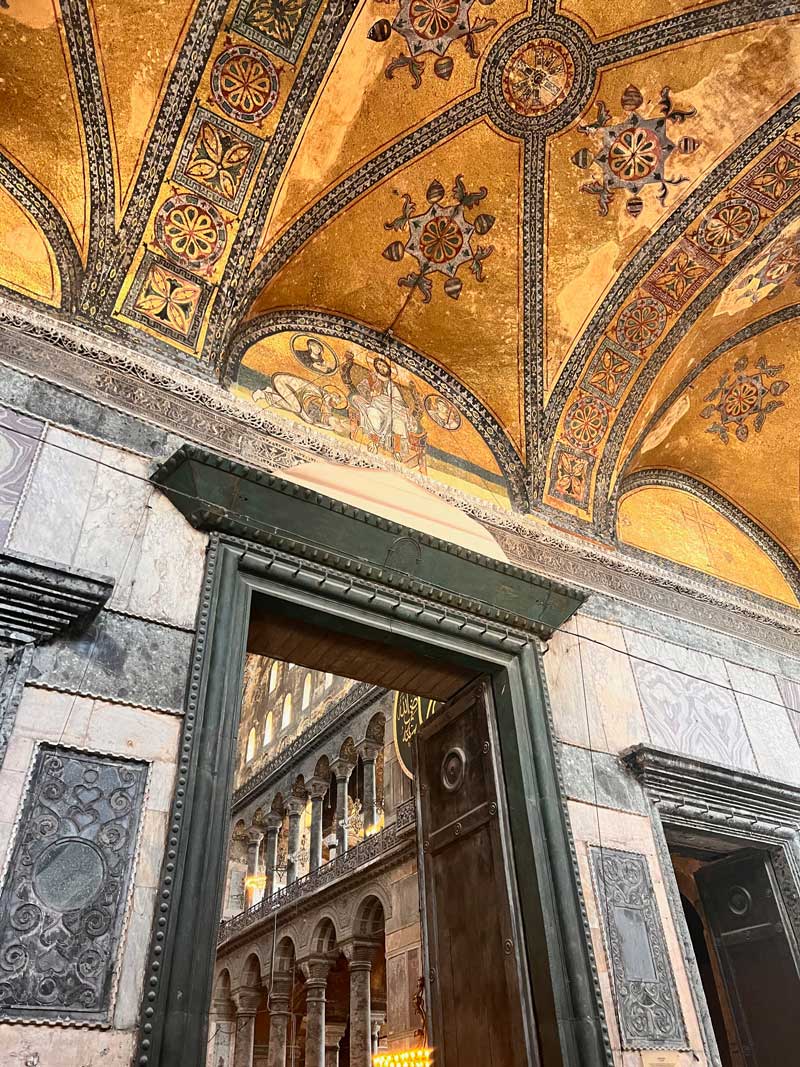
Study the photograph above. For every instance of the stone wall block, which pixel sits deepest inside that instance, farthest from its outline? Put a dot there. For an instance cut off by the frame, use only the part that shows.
(676, 657)
(753, 683)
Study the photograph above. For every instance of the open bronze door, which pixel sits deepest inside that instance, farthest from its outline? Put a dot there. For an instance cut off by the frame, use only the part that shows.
(757, 955)
(479, 1002)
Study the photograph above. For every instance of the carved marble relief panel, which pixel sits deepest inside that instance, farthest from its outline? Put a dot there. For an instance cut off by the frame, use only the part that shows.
(67, 885)
(648, 1010)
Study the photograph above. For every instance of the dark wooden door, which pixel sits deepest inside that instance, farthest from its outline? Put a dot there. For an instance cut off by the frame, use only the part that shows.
(480, 1011)
(756, 954)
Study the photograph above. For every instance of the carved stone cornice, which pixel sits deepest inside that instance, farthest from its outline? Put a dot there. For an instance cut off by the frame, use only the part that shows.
(692, 791)
(39, 600)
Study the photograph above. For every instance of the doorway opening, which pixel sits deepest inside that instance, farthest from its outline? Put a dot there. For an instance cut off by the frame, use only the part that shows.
(355, 906)
(745, 945)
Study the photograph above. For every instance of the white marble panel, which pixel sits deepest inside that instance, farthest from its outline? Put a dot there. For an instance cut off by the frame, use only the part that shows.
(134, 957)
(753, 683)
(50, 521)
(60, 1046)
(676, 657)
(154, 834)
(47, 715)
(133, 732)
(772, 738)
(169, 570)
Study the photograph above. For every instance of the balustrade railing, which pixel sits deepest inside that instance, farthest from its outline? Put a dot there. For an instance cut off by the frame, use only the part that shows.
(371, 848)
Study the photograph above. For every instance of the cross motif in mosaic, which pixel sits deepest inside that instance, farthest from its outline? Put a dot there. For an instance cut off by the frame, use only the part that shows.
(609, 372)
(167, 298)
(217, 160)
(280, 26)
(570, 475)
(775, 179)
(681, 274)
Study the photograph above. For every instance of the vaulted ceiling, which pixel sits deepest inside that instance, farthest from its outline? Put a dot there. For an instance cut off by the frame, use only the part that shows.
(544, 254)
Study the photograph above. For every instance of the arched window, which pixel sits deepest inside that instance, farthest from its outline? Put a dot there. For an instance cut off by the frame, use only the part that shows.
(251, 745)
(268, 729)
(328, 680)
(274, 674)
(286, 717)
(307, 692)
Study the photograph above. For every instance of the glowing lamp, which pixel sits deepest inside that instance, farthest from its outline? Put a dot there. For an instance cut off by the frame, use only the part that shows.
(255, 881)
(413, 1057)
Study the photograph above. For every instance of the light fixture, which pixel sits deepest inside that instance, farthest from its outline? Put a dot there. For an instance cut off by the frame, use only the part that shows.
(412, 1057)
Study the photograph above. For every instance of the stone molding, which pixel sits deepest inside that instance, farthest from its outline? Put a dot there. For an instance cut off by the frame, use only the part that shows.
(693, 792)
(39, 600)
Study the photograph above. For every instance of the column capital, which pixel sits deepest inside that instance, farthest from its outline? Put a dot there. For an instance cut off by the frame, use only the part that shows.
(359, 954)
(369, 750)
(317, 787)
(296, 805)
(334, 1032)
(273, 821)
(342, 768)
(315, 969)
(255, 836)
(247, 1001)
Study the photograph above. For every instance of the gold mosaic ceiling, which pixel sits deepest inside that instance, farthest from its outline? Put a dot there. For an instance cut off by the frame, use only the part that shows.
(546, 255)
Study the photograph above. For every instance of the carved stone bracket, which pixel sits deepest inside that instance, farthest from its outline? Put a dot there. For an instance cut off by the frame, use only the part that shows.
(38, 601)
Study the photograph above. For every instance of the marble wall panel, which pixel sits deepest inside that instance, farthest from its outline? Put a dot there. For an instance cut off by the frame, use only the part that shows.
(693, 717)
(19, 441)
(753, 683)
(120, 658)
(600, 778)
(592, 692)
(676, 657)
(112, 521)
(772, 738)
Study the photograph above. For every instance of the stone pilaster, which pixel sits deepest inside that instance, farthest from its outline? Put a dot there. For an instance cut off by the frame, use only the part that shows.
(342, 769)
(271, 851)
(316, 975)
(369, 754)
(247, 1004)
(278, 1022)
(295, 806)
(359, 958)
(254, 839)
(317, 789)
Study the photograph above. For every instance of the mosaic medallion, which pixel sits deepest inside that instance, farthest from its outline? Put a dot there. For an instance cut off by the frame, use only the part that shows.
(641, 323)
(190, 230)
(728, 225)
(586, 422)
(538, 76)
(743, 398)
(244, 83)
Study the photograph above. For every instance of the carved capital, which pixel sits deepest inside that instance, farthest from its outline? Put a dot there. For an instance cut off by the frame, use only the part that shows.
(273, 821)
(318, 787)
(296, 805)
(315, 970)
(342, 768)
(255, 836)
(369, 750)
(247, 1001)
(359, 953)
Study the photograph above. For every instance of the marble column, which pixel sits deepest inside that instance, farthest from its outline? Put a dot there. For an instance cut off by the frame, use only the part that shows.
(254, 839)
(342, 770)
(247, 1002)
(274, 822)
(369, 754)
(317, 790)
(316, 975)
(334, 1032)
(360, 966)
(278, 1022)
(295, 806)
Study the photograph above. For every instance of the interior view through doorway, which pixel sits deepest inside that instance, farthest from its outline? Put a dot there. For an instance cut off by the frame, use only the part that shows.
(737, 902)
(362, 923)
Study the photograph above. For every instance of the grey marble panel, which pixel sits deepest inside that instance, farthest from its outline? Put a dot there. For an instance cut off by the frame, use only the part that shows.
(676, 657)
(19, 439)
(790, 692)
(600, 778)
(753, 683)
(693, 717)
(648, 1008)
(119, 658)
(61, 405)
(65, 895)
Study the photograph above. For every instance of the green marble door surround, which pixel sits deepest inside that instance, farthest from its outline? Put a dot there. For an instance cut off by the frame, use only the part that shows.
(300, 552)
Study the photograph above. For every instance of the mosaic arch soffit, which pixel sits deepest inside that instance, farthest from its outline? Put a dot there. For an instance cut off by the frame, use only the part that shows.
(530, 209)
